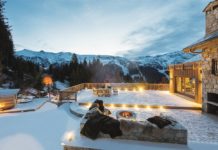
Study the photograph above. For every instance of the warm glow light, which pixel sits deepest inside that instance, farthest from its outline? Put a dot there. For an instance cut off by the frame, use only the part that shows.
(47, 80)
(112, 106)
(141, 89)
(136, 107)
(148, 107)
(2, 105)
(69, 136)
(124, 105)
(162, 108)
(134, 89)
(126, 89)
(88, 105)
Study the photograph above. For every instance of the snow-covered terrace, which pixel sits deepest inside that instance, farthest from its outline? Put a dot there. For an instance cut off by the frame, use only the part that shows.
(51, 127)
(144, 97)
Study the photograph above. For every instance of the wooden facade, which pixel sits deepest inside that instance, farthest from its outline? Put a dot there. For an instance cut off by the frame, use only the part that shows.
(181, 73)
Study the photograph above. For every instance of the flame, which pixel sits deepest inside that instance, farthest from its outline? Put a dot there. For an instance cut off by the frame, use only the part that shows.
(47, 80)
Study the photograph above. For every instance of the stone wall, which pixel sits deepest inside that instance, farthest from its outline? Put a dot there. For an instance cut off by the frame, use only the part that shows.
(210, 81)
(212, 21)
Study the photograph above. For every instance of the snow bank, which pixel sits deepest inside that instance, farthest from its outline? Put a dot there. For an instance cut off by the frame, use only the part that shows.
(60, 85)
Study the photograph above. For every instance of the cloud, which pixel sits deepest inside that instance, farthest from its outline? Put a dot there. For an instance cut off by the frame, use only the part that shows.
(112, 27)
(176, 26)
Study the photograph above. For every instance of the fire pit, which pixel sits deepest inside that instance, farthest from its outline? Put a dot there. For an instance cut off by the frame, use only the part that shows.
(126, 114)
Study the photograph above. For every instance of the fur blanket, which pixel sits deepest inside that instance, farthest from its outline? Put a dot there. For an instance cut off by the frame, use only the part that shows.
(101, 123)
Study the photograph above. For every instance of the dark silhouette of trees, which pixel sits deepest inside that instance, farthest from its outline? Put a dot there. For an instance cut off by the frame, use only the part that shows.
(18, 70)
(77, 72)
(6, 42)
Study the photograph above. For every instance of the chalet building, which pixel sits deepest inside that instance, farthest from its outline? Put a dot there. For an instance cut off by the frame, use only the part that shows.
(186, 79)
(199, 80)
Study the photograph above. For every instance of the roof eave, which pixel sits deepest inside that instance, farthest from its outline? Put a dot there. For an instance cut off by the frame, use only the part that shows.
(202, 45)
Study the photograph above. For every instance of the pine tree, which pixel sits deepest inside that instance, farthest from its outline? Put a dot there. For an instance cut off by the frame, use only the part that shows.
(6, 42)
(74, 60)
(1, 67)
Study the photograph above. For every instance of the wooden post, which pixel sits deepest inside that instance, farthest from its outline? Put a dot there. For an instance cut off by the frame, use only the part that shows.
(172, 79)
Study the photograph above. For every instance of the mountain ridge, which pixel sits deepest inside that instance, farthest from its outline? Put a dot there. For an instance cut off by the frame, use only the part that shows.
(137, 66)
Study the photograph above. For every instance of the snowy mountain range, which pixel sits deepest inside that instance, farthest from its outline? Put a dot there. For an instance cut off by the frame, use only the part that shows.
(136, 67)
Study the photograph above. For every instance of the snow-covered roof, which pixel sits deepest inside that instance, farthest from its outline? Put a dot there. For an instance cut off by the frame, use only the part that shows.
(8, 92)
(203, 40)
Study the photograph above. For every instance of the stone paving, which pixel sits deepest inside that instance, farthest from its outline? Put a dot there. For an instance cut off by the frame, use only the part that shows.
(202, 128)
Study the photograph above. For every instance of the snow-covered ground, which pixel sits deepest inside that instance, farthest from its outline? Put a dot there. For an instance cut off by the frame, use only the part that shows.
(60, 85)
(145, 97)
(48, 127)
(39, 130)
(31, 105)
(202, 127)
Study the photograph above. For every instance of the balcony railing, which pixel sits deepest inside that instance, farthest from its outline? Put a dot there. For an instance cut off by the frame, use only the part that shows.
(71, 92)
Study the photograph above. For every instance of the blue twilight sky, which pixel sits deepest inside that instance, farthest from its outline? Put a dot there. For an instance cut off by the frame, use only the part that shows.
(112, 27)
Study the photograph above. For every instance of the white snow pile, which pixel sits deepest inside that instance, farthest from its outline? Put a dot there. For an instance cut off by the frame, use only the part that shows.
(8, 92)
(60, 85)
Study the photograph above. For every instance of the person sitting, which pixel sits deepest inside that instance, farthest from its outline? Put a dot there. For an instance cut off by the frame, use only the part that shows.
(104, 110)
(98, 120)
